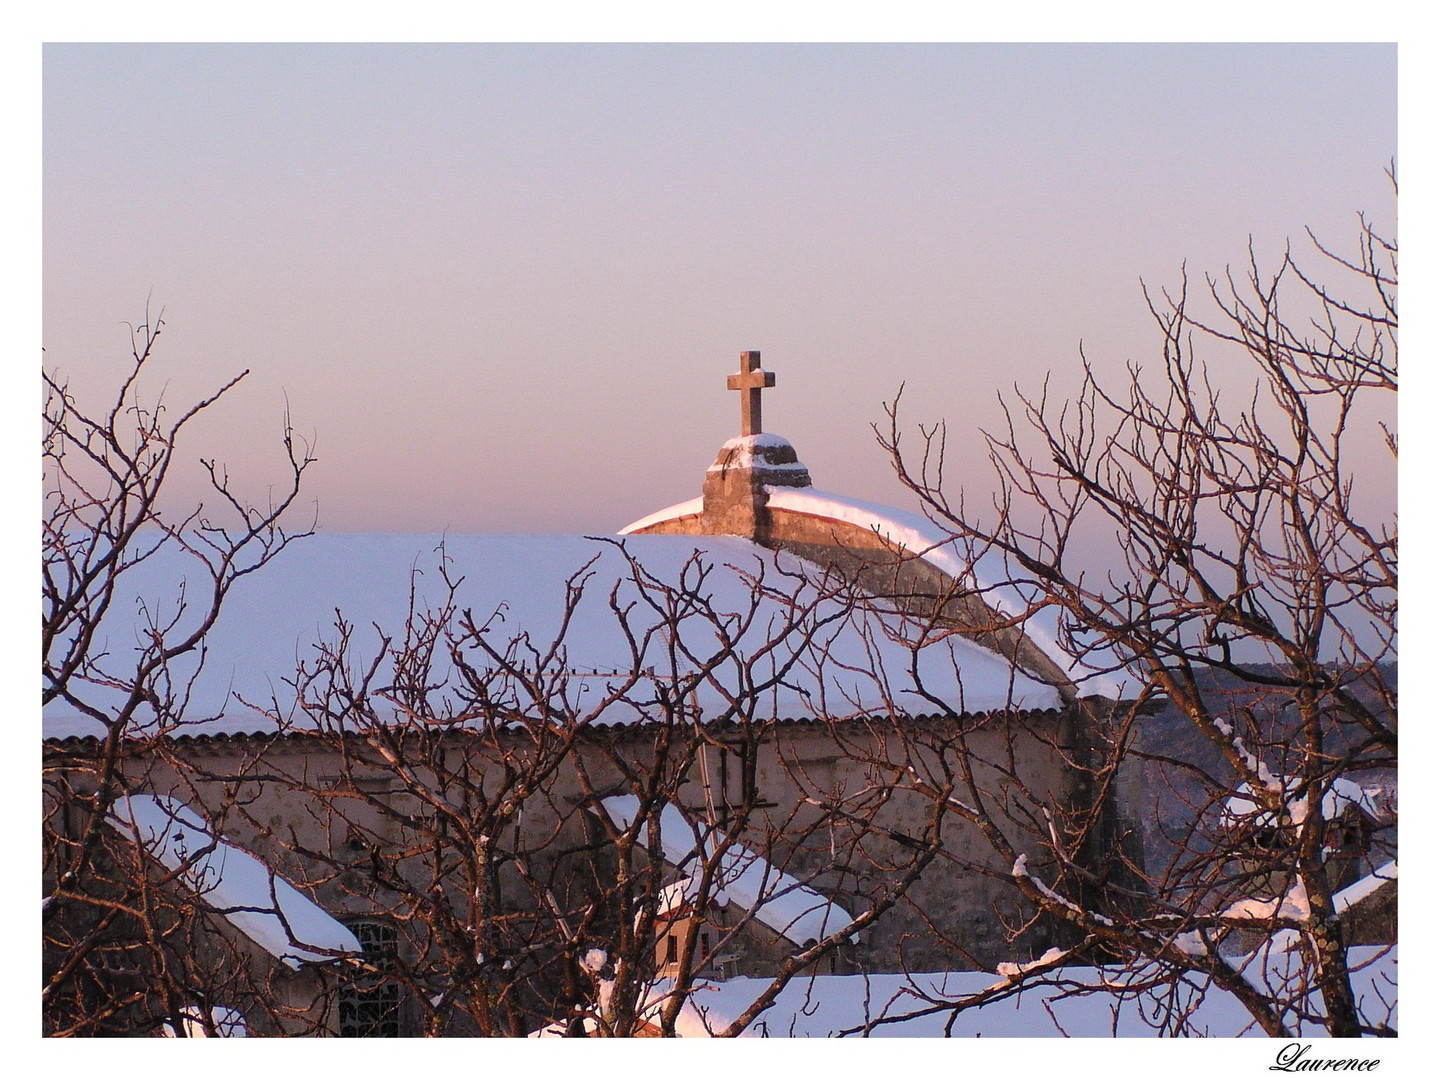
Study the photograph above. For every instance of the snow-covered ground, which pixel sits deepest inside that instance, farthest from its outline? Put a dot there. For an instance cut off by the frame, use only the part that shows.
(1074, 1001)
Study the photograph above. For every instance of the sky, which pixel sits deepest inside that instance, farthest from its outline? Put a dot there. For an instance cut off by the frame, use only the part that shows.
(501, 286)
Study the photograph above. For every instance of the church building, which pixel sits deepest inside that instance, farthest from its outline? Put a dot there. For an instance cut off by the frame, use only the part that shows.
(494, 784)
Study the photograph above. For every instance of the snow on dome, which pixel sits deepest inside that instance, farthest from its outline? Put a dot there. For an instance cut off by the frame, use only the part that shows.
(763, 451)
(769, 458)
(1100, 674)
(259, 902)
(746, 879)
(765, 440)
(688, 508)
(276, 618)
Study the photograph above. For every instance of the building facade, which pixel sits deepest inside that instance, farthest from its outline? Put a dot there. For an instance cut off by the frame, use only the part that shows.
(767, 731)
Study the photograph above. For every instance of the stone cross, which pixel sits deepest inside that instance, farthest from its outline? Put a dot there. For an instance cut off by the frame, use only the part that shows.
(750, 380)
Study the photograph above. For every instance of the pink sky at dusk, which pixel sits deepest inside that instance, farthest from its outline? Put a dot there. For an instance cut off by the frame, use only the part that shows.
(502, 286)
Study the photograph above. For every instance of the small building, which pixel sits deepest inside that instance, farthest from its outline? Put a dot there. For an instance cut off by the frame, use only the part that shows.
(1357, 821)
(740, 914)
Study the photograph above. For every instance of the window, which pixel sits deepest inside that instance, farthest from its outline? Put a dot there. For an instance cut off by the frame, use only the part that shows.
(370, 1004)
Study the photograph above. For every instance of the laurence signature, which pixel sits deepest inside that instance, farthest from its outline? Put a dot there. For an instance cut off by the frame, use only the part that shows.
(1296, 1057)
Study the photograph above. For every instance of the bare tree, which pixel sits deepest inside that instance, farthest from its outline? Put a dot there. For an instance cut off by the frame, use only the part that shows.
(516, 843)
(1249, 586)
(533, 834)
(109, 927)
(523, 844)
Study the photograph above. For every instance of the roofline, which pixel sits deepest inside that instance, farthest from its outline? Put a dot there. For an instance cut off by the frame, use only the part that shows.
(201, 738)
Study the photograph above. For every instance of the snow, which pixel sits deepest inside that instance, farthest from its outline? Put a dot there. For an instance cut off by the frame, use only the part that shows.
(1356, 891)
(1280, 970)
(275, 618)
(764, 440)
(1339, 794)
(744, 878)
(681, 893)
(1012, 970)
(229, 1023)
(1294, 905)
(594, 960)
(678, 895)
(1018, 870)
(1075, 1001)
(1194, 943)
(260, 903)
(1100, 674)
(688, 508)
(756, 452)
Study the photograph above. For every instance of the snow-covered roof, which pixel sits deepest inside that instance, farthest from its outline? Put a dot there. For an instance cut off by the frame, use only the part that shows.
(743, 877)
(1000, 583)
(688, 508)
(854, 663)
(1293, 907)
(1339, 794)
(1368, 885)
(1296, 902)
(681, 894)
(259, 902)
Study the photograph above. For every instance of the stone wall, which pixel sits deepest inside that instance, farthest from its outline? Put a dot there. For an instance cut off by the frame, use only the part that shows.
(958, 914)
